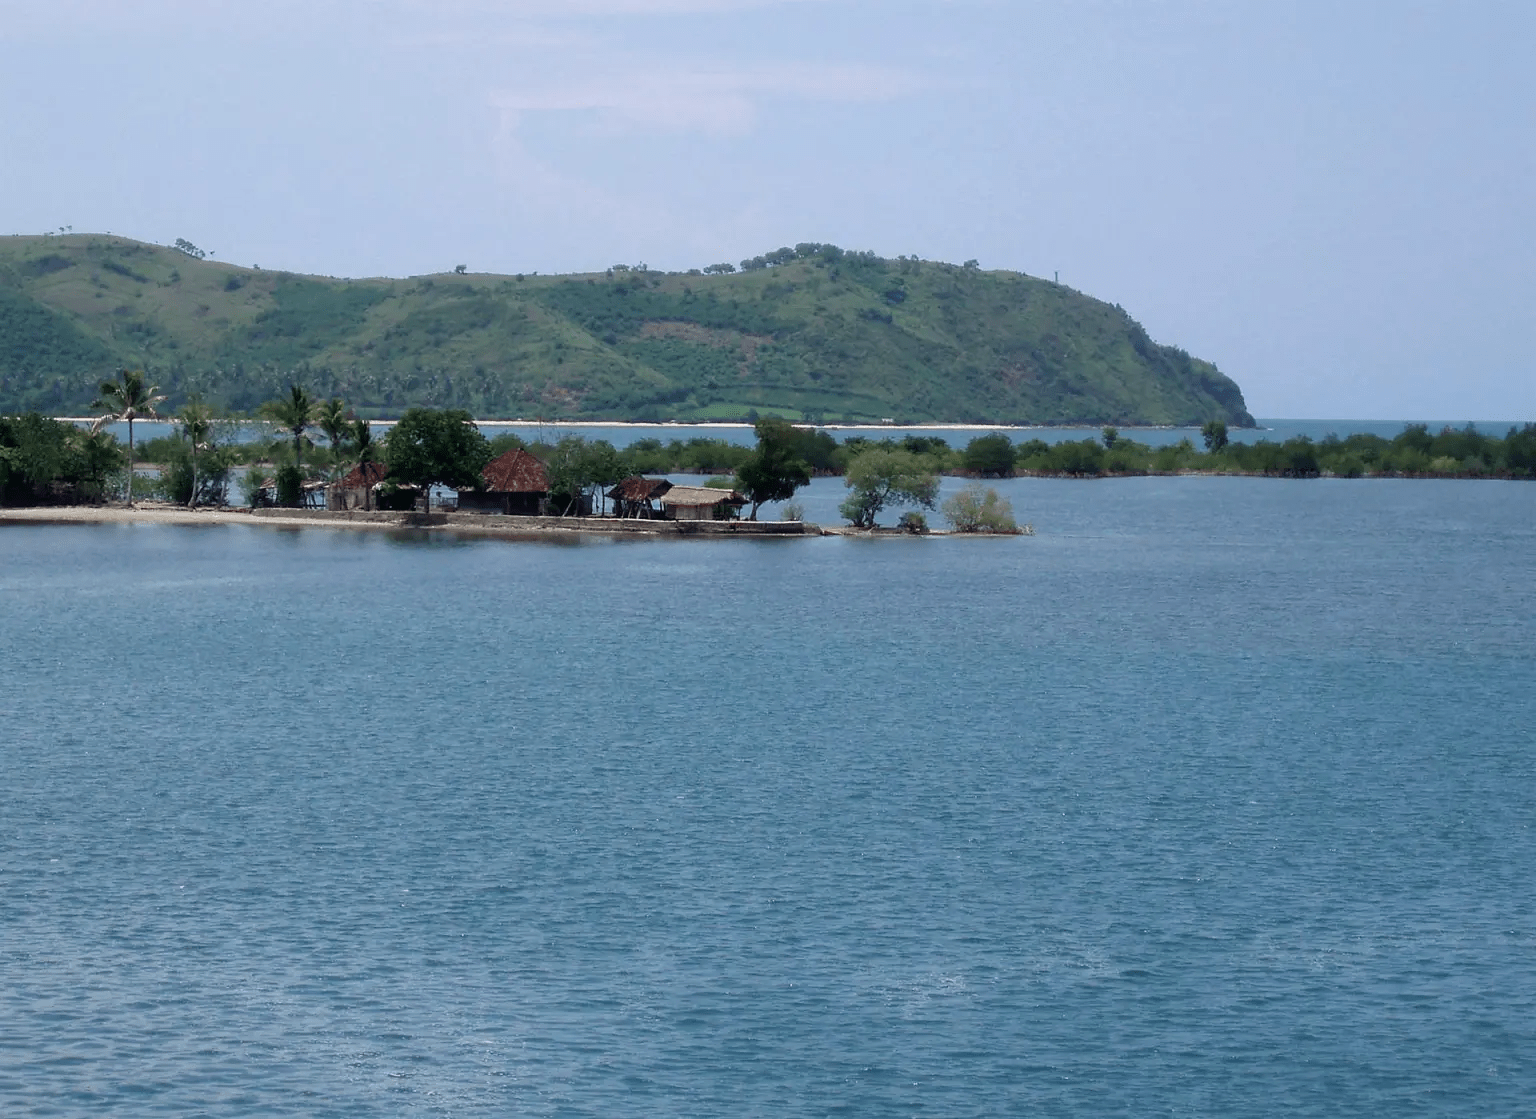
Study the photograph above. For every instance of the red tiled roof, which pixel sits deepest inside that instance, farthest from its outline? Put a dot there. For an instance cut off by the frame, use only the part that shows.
(516, 472)
(356, 480)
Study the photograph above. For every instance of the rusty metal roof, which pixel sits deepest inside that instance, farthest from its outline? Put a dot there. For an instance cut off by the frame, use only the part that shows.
(358, 479)
(516, 472)
(637, 488)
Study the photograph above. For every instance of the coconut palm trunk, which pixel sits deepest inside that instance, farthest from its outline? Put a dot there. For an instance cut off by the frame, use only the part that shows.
(130, 462)
(296, 413)
(127, 399)
(197, 425)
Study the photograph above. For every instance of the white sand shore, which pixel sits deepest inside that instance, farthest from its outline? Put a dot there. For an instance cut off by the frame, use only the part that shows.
(682, 426)
(154, 513)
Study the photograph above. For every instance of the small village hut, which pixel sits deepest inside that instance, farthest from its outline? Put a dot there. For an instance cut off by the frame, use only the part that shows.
(515, 483)
(701, 503)
(636, 496)
(355, 490)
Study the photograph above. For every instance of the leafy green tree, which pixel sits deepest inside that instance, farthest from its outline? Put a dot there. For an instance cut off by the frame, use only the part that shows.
(127, 399)
(565, 465)
(1520, 450)
(934, 446)
(1299, 458)
(884, 476)
(99, 456)
(289, 483)
(1110, 435)
(507, 441)
(1215, 435)
(35, 451)
(1077, 457)
(293, 413)
(975, 509)
(1415, 437)
(602, 466)
(208, 486)
(252, 484)
(576, 466)
(774, 471)
(819, 450)
(990, 456)
(430, 447)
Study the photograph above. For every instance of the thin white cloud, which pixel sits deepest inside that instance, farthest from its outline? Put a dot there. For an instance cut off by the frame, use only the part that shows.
(522, 37)
(721, 101)
(560, 9)
(23, 17)
(630, 94)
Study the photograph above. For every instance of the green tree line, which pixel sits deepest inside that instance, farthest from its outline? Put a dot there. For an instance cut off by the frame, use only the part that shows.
(308, 441)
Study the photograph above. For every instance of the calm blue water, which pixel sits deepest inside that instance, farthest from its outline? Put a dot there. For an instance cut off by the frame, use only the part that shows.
(1215, 798)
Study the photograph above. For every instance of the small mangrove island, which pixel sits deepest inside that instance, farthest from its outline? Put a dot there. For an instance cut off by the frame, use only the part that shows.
(317, 460)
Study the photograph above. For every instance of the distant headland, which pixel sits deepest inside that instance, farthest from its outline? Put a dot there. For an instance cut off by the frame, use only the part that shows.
(813, 333)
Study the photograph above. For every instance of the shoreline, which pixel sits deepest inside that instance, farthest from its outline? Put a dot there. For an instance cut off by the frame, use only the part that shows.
(488, 526)
(740, 425)
(468, 524)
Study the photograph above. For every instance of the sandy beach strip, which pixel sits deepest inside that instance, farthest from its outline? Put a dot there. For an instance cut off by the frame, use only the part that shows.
(472, 524)
(151, 513)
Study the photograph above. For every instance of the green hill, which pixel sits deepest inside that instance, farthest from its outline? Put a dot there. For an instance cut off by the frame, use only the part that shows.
(813, 332)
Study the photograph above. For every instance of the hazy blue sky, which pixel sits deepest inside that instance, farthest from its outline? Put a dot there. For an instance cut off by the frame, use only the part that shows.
(1335, 202)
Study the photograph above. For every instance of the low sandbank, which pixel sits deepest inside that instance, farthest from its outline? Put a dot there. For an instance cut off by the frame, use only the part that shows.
(475, 524)
(465, 524)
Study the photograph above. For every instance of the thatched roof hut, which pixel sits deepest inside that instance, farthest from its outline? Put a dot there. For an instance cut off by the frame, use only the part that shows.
(701, 503)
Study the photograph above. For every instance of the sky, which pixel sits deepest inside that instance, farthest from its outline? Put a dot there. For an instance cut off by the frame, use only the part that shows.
(1332, 201)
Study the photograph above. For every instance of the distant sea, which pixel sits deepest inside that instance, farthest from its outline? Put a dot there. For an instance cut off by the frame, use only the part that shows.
(1217, 797)
(621, 435)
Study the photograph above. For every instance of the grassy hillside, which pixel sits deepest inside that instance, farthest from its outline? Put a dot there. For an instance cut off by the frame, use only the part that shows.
(820, 334)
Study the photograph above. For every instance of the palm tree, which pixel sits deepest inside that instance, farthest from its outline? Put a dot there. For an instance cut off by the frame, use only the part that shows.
(366, 451)
(331, 418)
(127, 399)
(196, 422)
(294, 413)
